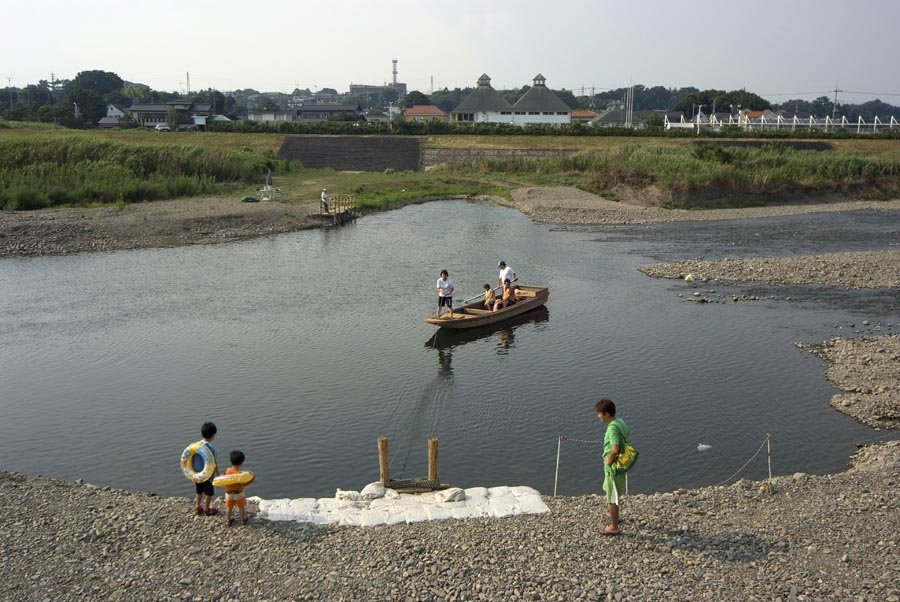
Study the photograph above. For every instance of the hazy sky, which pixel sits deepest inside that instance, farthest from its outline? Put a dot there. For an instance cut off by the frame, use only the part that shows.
(781, 49)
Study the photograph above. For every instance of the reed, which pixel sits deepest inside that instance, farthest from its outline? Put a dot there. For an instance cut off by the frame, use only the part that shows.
(43, 172)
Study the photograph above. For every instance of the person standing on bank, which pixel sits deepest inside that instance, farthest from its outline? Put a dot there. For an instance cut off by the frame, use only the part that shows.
(613, 443)
(506, 273)
(445, 293)
(325, 200)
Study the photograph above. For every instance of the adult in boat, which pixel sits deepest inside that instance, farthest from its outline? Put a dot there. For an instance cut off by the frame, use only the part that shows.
(506, 273)
(445, 293)
(508, 298)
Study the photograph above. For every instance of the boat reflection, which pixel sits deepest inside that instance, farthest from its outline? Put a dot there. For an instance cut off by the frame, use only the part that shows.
(446, 340)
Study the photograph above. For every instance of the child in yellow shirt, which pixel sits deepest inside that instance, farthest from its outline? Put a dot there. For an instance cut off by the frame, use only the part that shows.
(489, 297)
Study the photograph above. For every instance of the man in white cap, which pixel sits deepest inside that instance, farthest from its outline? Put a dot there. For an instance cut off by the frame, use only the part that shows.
(506, 273)
(324, 200)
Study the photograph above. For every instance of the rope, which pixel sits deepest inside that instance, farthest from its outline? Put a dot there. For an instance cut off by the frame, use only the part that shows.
(722, 482)
(564, 438)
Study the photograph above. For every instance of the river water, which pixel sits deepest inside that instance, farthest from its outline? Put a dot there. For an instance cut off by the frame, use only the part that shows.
(304, 348)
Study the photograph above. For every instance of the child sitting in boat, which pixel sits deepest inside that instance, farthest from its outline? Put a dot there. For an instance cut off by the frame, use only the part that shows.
(508, 298)
(489, 297)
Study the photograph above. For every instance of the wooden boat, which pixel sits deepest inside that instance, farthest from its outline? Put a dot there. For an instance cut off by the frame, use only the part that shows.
(474, 314)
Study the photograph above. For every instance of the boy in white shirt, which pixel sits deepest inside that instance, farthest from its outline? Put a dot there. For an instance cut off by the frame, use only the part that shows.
(506, 273)
(445, 293)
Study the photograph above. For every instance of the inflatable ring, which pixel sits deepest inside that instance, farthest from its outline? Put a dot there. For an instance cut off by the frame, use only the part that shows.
(241, 478)
(187, 462)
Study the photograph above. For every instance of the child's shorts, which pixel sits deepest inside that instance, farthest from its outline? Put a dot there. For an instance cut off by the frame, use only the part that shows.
(206, 488)
(235, 499)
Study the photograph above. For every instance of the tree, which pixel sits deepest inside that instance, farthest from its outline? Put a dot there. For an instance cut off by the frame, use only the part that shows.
(90, 103)
(568, 97)
(415, 98)
(390, 95)
(101, 82)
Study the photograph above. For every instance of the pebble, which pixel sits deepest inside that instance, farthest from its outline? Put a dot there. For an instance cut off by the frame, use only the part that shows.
(702, 544)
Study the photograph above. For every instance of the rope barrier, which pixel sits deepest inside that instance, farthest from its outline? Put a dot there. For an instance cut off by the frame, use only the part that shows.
(735, 473)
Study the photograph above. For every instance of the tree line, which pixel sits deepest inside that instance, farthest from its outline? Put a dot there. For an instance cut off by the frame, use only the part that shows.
(82, 101)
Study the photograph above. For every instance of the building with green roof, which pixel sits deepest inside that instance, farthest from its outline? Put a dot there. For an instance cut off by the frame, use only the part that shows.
(541, 105)
(483, 105)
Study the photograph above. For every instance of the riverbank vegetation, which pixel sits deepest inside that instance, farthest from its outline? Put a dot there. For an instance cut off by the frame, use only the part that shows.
(48, 166)
(40, 172)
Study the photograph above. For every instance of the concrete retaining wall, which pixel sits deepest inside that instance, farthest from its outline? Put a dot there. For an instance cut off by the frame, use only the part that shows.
(437, 156)
(353, 153)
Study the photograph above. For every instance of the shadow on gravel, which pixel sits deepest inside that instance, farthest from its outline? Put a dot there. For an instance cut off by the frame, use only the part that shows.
(294, 532)
(735, 547)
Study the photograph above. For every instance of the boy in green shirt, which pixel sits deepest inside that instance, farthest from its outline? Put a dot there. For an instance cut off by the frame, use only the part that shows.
(613, 443)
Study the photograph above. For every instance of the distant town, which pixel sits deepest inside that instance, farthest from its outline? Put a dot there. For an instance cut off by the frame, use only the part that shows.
(101, 99)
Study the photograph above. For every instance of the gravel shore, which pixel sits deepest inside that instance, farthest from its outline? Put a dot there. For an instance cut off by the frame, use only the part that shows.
(831, 537)
(566, 205)
(800, 537)
(875, 269)
(147, 225)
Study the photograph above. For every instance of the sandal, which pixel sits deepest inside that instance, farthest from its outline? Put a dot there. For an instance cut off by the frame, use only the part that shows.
(198, 511)
(610, 532)
(212, 512)
(245, 520)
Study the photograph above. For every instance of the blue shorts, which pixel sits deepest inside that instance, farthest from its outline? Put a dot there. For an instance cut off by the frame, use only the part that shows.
(442, 301)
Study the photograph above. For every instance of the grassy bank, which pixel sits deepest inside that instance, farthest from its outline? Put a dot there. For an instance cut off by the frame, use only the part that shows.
(49, 166)
(45, 171)
(697, 176)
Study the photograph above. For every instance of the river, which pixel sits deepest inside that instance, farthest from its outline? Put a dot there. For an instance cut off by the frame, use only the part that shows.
(304, 348)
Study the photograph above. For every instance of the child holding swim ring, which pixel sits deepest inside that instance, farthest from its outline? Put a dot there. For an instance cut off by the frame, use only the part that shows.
(234, 494)
(208, 432)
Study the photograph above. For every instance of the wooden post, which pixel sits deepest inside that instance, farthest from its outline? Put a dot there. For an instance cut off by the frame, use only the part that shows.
(384, 470)
(433, 459)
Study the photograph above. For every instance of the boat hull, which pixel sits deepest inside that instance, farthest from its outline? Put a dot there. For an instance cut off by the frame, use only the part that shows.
(474, 315)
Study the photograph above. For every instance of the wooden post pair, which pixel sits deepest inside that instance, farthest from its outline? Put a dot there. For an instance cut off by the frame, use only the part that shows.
(384, 468)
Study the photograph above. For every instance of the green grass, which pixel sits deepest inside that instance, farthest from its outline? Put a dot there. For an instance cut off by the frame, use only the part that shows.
(42, 165)
(44, 171)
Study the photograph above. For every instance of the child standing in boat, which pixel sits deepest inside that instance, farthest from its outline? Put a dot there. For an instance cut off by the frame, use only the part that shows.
(445, 293)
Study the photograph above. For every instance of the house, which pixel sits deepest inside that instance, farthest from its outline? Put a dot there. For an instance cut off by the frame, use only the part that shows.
(277, 115)
(757, 117)
(115, 111)
(187, 114)
(611, 117)
(483, 105)
(541, 105)
(315, 113)
(115, 117)
(583, 115)
(424, 113)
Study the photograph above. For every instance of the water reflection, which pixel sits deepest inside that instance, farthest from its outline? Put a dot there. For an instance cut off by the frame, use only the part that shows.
(445, 341)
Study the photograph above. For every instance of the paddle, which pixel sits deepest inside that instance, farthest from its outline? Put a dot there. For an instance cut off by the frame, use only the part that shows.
(495, 290)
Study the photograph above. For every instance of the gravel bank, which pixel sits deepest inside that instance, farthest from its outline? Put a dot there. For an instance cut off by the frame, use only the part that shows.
(146, 225)
(832, 537)
(868, 371)
(565, 205)
(876, 269)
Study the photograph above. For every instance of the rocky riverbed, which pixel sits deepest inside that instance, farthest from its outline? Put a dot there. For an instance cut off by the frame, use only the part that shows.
(800, 537)
(875, 269)
(147, 225)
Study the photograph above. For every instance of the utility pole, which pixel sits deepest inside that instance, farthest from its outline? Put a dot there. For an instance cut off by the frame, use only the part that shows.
(834, 106)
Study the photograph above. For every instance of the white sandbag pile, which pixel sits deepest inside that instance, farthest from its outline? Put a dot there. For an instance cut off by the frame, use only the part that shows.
(376, 505)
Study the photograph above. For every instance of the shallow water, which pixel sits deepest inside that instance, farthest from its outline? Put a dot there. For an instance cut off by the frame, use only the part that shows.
(303, 348)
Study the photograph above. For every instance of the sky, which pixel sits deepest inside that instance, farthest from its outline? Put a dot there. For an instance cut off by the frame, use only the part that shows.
(779, 49)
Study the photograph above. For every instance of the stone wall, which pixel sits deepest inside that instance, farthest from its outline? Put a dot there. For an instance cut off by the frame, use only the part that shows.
(437, 156)
(353, 153)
